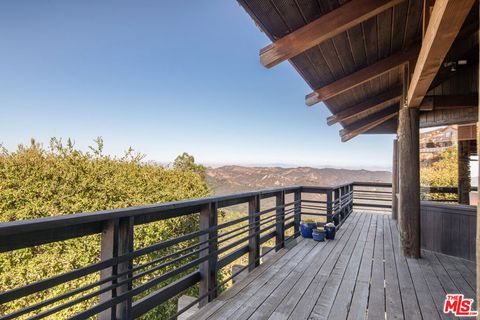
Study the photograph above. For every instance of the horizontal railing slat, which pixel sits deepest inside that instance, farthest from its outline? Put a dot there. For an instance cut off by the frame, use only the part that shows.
(198, 251)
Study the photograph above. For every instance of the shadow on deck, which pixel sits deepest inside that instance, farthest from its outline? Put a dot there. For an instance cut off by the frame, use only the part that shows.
(361, 274)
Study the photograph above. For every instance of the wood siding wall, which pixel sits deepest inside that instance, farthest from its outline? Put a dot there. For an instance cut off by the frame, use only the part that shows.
(449, 229)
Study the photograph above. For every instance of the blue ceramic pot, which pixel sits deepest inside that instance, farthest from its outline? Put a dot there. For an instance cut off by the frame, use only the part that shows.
(306, 229)
(318, 235)
(330, 233)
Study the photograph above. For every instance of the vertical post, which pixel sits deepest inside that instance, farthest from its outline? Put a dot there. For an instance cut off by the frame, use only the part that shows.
(116, 240)
(280, 221)
(395, 180)
(329, 205)
(477, 249)
(208, 268)
(254, 233)
(350, 198)
(464, 172)
(409, 175)
(337, 194)
(297, 198)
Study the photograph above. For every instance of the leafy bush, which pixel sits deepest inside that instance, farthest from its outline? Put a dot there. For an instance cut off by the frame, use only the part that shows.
(38, 182)
(442, 173)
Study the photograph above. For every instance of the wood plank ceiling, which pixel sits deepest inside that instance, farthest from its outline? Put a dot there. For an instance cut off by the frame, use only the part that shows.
(379, 41)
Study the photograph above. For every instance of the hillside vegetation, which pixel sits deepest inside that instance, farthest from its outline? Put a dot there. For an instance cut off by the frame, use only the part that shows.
(37, 181)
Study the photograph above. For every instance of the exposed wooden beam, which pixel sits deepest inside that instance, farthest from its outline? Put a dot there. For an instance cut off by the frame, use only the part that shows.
(427, 11)
(347, 134)
(444, 24)
(322, 29)
(361, 76)
(453, 101)
(445, 117)
(384, 99)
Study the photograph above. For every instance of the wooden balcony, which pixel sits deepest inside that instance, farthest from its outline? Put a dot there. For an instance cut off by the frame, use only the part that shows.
(359, 275)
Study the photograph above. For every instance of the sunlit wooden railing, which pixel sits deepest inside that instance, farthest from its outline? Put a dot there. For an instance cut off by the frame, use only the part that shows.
(129, 285)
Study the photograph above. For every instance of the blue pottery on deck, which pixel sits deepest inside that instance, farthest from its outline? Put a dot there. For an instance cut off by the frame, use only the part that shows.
(330, 231)
(318, 235)
(306, 229)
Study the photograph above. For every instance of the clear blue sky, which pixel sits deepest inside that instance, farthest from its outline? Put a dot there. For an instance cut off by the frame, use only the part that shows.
(163, 77)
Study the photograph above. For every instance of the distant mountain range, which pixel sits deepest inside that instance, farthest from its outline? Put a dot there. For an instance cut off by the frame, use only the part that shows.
(231, 179)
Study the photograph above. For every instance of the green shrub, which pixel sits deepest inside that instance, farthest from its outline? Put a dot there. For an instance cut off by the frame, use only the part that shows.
(38, 182)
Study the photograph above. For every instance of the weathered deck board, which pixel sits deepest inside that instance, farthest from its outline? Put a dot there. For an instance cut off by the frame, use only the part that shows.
(376, 301)
(359, 275)
(327, 298)
(315, 289)
(359, 302)
(288, 304)
(392, 289)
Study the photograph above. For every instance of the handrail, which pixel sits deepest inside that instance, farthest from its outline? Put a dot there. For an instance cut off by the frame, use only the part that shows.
(204, 252)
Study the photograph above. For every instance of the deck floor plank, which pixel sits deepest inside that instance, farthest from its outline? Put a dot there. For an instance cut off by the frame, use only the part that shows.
(436, 290)
(307, 302)
(376, 300)
(409, 297)
(359, 275)
(457, 278)
(394, 310)
(349, 256)
(285, 307)
(241, 297)
(341, 303)
(427, 305)
(358, 307)
(462, 269)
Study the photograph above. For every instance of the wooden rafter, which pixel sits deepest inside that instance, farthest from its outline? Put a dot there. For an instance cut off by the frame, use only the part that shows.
(322, 29)
(445, 21)
(384, 99)
(355, 129)
(361, 76)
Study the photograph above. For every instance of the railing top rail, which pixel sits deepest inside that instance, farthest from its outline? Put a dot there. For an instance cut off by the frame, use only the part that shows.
(372, 184)
(24, 233)
(8, 228)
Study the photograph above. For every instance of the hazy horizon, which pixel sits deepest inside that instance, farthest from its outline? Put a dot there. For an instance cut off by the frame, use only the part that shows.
(138, 76)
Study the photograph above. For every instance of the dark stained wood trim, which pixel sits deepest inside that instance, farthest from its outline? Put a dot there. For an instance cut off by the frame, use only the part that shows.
(353, 131)
(385, 99)
(453, 101)
(445, 22)
(322, 29)
(361, 76)
(434, 118)
(395, 180)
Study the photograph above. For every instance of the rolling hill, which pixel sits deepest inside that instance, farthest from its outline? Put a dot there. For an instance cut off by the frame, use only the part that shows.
(231, 179)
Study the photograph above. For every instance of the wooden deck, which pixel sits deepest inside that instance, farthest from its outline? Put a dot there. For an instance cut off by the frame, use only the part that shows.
(358, 275)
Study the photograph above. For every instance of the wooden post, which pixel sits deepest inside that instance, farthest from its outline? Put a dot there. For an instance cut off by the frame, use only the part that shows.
(254, 233)
(116, 240)
(297, 198)
(395, 180)
(329, 205)
(478, 211)
(409, 177)
(208, 268)
(280, 221)
(350, 197)
(337, 195)
(464, 172)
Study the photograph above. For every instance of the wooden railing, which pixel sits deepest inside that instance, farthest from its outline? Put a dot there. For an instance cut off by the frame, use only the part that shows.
(128, 288)
(372, 196)
(441, 194)
(449, 228)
